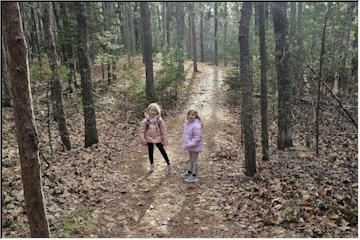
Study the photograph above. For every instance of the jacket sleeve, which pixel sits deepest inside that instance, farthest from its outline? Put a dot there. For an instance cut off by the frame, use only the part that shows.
(197, 136)
(142, 132)
(163, 132)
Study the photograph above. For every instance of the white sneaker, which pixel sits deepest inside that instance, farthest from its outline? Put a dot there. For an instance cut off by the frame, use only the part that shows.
(151, 168)
(186, 174)
(169, 167)
(191, 179)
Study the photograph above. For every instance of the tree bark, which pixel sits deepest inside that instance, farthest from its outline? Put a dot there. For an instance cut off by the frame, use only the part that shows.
(180, 29)
(68, 46)
(201, 38)
(5, 84)
(127, 30)
(284, 139)
(247, 111)
(263, 56)
(24, 121)
(189, 48)
(36, 35)
(147, 50)
(57, 29)
(216, 27)
(163, 40)
(91, 136)
(193, 38)
(321, 75)
(168, 19)
(225, 28)
(300, 76)
(56, 85)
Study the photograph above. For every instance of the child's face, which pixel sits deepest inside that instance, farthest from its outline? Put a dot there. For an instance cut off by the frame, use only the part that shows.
(191, 117)
(152, 112)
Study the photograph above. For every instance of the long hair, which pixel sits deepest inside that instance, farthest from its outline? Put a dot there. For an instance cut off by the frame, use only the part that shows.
(195, 113)
(154, 106)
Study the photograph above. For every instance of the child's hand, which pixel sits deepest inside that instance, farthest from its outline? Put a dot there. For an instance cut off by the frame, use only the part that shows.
(165, 143)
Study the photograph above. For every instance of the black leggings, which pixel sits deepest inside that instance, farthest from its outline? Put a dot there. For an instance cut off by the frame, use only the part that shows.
(162, 150)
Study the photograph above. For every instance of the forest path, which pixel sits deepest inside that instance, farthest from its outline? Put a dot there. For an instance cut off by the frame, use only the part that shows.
(162, 204)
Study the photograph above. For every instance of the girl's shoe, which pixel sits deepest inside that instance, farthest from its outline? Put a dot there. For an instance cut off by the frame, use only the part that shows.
(191, 179)
(186, 174)
(151, 168)
(169, 167)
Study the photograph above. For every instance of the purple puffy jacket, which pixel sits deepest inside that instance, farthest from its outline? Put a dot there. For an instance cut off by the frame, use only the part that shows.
(191, 140)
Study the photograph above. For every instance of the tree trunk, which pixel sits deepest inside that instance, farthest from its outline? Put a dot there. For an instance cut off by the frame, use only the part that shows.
(189, 42)
(319, 80)
(22, 8)
(127, 30)
(5, 85)
(56, 85)
(180, 29)
(284, 139)
(201, 38)
(24, 121)
(263, 56)
(68, 46)
(147, 49)
(293, 65)
(247, 111)
(193, 38)
(131, 28)
(163, 40)
(57, 29)
(300, 76)
(136, 26)
(216, 27)
(168, 19)
(91, 136)
(354, 60)
(225, 28)
(340, 80)
(36, 35)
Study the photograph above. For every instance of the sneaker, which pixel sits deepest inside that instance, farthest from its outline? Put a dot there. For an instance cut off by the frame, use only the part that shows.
(191, 179)
(151, 168)
(186, 174)
(169, 167)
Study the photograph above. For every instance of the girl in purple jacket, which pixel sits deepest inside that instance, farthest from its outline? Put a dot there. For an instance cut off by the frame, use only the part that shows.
(191, 141)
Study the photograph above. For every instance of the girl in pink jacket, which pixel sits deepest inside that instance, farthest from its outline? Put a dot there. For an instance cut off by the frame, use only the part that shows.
(153, 130)
(191, 141)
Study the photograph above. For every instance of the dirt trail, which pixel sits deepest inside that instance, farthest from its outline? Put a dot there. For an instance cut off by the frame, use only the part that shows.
(162, 204)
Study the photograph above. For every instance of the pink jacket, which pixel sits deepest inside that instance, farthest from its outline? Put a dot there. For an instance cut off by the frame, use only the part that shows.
(154, 133)
(191, 140)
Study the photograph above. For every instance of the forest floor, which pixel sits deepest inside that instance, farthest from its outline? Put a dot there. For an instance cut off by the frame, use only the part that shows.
(107, 191)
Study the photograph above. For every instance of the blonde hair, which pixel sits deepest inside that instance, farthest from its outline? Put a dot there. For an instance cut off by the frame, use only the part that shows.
(195, 113)
(154, 106)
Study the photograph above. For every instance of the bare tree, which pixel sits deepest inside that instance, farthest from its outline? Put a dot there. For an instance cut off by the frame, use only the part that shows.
(193, 37)
(300, 54)
(321, 75)
(91, 136)
(201, 37)
(247, 111)
(216, 28)
(55, 82)
(147, 49)
(24, 120)
(263, 56)
(225, 28)
(180, 29)
(284, 139)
